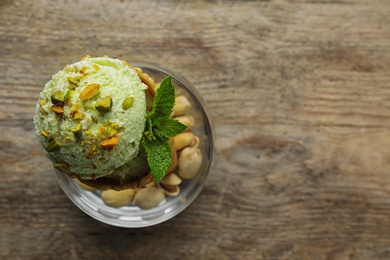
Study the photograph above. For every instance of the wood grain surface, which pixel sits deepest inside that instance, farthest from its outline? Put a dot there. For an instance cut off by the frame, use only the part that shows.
(299, 94)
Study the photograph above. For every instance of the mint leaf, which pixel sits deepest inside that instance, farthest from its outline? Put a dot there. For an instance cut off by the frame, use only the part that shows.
(149, 129)
(159, 127)
(159, 157)
(166, 127)
(164, 99)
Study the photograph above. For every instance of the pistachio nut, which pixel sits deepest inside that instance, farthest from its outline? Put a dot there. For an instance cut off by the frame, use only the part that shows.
(190, 160)
(57, 97)
(69, 94)
(75, 113)
(90, 91)
(111, 132)
(58, 109)
(110, 142)
(182, 106)
(118, 199)
(104, 105)
(149, 197)
(188, 120)
(170, 190)
(184, 139)
(171, 179)
(196, 141)
(73, 82)
(78, 131)
(127, 103)
(45, 133)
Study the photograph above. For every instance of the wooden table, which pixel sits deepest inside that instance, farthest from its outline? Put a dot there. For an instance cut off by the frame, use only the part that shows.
(299, 94)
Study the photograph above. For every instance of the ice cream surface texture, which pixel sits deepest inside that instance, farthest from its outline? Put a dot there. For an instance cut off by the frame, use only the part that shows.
(90, 118)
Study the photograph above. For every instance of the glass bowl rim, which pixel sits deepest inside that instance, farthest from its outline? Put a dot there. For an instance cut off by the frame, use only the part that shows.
(64, 180)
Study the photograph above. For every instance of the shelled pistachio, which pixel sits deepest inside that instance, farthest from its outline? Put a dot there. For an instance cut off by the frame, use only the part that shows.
(189, 163)
(118, 199)
(127, 103)
(90, 91)
(57, 97)
(184, 139)
(170, 184)
(182, 106)
(149, 197)
(104, 105)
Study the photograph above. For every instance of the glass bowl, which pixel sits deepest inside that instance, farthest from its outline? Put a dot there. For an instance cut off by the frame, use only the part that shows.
(132, 216)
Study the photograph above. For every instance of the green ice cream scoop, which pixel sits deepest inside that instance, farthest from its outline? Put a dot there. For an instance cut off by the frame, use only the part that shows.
(90, 118)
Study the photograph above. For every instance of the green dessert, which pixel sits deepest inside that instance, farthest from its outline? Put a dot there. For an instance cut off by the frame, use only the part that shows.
(90, 119)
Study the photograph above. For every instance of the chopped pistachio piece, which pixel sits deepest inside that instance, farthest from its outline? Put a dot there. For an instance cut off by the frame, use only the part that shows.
(110, 142)
(62, 167)
(57, 97)
(52, 146)
(74, 82)
(45, 133)
(90, 91)
(104, 105)
(78, 131)
(69, 94)
(58, 109)
(111, 132)
(114, 125)
(94, 119)
(127, 103)
(75, 113)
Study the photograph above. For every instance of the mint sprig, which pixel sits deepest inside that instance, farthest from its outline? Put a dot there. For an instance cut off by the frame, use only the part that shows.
(158, 128)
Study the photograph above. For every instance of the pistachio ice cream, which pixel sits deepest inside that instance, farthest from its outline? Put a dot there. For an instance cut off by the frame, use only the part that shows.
(90, 119)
